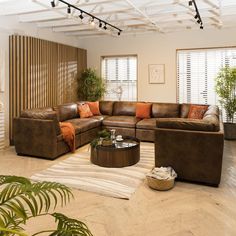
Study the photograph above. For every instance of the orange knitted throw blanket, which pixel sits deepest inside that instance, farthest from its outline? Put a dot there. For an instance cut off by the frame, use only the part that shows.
(68, 133)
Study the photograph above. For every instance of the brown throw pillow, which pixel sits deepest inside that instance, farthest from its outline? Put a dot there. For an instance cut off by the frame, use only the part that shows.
(143, 110)
(94, 108)
(84, 111)
(197, 111)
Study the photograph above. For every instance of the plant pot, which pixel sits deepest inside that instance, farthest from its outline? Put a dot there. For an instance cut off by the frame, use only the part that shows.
(230, 131)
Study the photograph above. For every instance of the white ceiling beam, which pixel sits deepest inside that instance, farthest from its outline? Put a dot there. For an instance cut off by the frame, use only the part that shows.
(144, 15)
(26, 9)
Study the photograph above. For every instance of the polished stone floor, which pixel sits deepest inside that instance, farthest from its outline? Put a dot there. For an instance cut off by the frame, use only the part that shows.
(188, 209)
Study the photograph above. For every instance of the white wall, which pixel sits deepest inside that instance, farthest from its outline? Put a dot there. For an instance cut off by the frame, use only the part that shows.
(10, 25)
(156, 49)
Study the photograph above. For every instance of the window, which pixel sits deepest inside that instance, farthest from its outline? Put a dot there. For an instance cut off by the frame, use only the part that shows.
(196, 73)
(120, 74)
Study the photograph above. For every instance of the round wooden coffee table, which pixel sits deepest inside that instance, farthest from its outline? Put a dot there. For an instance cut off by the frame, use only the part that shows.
(120, 154)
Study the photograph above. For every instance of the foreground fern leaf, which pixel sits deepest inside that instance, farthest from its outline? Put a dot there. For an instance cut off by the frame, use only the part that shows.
(21, 199)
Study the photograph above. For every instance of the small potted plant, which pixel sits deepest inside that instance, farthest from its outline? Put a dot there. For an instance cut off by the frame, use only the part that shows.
(226, 90)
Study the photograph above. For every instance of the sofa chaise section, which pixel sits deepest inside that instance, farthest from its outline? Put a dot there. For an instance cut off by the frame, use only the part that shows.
(194, 148)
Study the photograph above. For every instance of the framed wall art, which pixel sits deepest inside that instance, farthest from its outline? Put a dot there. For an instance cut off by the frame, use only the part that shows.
(156, 73)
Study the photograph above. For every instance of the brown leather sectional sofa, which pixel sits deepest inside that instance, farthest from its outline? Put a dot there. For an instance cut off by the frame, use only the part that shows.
(194, 148)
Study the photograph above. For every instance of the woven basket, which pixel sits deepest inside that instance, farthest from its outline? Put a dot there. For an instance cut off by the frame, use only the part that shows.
(161, 185)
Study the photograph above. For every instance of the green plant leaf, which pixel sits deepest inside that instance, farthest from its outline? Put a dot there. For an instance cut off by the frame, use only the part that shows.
(91, 87)
(69, 227)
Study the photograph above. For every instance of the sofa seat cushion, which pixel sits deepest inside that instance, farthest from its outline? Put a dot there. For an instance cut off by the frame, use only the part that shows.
(186, 124)
(147, 124)
(101, 117)
(121, 121)
(83, 124)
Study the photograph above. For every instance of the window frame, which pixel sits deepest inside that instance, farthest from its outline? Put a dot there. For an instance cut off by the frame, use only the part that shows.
(122, 55)
(192, 49)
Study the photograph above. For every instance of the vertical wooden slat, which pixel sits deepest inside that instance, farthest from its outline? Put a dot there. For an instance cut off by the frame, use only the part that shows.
(41, 74)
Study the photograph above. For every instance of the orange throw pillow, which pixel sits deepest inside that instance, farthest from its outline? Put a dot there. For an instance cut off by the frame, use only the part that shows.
(143, 110)
(84, 111)
(94, 108)
(197, 111)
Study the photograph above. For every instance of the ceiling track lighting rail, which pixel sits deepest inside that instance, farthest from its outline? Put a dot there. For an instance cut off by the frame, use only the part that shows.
(93, 18)
(197, 16)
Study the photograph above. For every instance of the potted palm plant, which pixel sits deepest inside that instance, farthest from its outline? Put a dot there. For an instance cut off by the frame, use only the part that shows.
(226, 90)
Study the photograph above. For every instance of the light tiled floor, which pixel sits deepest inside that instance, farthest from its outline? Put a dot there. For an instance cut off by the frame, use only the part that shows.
(188, 209)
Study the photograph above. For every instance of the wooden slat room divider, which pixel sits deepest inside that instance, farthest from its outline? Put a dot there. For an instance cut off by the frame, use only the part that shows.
(42, 74)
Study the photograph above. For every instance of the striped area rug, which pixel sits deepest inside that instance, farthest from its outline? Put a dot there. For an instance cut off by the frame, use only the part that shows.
(78, 172)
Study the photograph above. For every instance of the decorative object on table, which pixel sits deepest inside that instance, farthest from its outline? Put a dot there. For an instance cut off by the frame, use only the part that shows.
(225, 88)
(156, 73)
(162, 178)
(119, 138)
(103, 135)
(91, 87)
(81, 174)
(113, 135)
(22, 200)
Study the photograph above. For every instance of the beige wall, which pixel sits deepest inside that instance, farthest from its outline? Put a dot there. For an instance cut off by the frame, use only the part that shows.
(156, 49)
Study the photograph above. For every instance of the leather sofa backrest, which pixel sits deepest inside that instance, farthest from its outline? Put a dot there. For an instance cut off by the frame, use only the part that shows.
(67, 111)
(44, 114)
(106, 107)
(165, 110)
(124, 109)
(184, 110)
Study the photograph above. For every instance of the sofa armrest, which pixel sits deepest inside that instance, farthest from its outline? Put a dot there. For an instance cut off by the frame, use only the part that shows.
(195, 155)
(35, 137)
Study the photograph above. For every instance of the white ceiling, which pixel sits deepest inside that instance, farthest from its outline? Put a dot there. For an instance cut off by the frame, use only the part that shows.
(132, 16)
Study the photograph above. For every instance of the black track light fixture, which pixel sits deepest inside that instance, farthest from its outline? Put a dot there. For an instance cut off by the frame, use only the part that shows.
(68, 9)
(101, 23)
(53, 3)
(201, 27)
(81, 15)
(197, 15)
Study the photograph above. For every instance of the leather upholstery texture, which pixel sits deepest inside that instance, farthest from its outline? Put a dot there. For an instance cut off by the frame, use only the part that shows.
(121, 121)
(124, 109)
(194, 155)
(106, 107)
(188, 124)
(162, 110)
(149, 124)
(84, 124)
(67, 111)
(43, 114)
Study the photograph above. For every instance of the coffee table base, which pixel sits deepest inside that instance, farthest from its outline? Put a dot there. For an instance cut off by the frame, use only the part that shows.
(108, 157)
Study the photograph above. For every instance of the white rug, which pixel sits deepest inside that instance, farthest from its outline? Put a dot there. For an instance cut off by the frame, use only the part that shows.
(78, 172)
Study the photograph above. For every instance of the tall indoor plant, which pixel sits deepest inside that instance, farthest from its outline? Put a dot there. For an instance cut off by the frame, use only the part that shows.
(91, 87)
(226, 90)
(21, 200)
